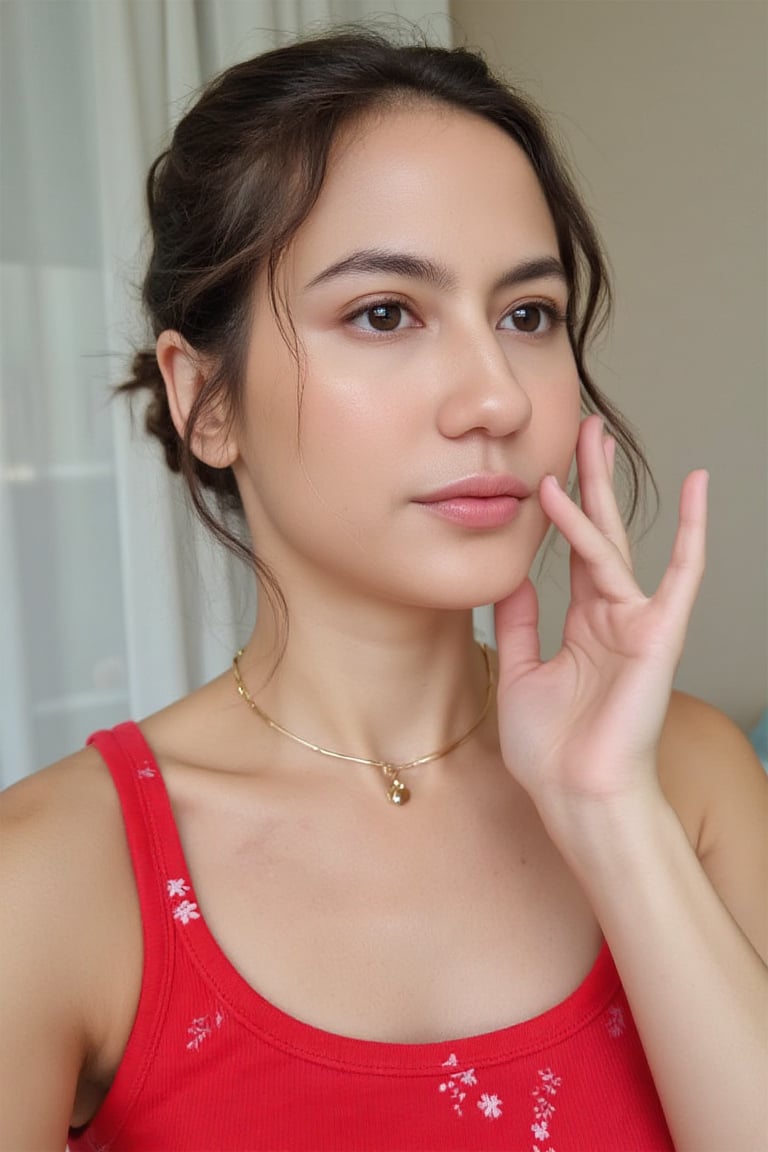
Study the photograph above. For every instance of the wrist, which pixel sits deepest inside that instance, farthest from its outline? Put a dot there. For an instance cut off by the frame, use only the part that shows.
(609, 831)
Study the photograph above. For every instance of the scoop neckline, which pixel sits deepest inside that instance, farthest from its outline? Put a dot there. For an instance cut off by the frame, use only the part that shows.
(295, 1036)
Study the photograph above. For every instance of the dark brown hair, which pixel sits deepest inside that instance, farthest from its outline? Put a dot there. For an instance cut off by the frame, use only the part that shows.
(242, 172)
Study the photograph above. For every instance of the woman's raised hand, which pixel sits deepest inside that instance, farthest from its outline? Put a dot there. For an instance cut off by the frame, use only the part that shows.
(583, 727)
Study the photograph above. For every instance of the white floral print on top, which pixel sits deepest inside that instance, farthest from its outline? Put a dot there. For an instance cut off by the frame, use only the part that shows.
(456, 1085)
(177, 887)
(543, 1108)
(614, 1021)
(186, 911)
(490, 1106)
(202, 1027)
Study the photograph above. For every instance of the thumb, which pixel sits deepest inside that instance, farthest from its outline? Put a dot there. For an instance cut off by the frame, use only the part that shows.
(517, 633)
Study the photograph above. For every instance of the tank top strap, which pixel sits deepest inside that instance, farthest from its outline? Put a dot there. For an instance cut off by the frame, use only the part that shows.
(153, 839)
(159, 866)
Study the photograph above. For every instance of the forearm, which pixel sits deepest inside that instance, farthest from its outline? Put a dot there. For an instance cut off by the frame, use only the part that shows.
(697, 988)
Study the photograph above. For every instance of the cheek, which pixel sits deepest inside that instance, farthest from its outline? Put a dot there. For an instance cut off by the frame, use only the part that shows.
(319, 455)
(556, 417)
(350, 423)
(270, 467)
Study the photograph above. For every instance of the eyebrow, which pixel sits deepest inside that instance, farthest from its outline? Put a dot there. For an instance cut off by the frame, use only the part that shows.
(420, 268)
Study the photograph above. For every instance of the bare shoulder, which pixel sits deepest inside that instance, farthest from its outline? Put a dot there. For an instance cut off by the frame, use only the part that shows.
(714, 780)
(67, 813)
(65, 856)
(72, 786)
(708, 767)
(66, 885)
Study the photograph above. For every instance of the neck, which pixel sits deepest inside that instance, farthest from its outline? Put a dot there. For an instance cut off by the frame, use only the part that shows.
(391, 690)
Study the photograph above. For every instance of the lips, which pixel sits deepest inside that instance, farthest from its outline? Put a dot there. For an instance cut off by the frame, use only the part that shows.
(485, 486)
(482, 502)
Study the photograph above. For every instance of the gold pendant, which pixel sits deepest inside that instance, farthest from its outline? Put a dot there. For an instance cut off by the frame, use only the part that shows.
(397, 793)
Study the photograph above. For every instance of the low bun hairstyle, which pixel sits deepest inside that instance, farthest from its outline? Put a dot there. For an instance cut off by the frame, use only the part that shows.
(243, 170)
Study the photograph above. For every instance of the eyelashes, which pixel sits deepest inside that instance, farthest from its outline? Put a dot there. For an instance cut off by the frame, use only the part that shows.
(536, 311)
(392, 305)
(533, 318)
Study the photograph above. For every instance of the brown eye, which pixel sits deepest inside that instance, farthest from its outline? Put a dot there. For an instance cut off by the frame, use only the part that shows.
(384, 317)
(528, 318)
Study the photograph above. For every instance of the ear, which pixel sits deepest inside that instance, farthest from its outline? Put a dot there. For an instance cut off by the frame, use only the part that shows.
(184, 373)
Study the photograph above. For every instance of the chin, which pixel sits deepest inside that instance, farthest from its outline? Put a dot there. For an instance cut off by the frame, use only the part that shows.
(451, 589)
(473, 574)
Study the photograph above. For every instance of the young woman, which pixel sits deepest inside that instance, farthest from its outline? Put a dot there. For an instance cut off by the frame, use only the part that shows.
(373, 888)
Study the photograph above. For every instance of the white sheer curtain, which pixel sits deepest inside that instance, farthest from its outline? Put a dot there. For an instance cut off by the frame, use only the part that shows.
(112, 601)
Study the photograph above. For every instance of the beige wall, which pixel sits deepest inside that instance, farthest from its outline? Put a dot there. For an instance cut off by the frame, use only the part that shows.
(663, 107)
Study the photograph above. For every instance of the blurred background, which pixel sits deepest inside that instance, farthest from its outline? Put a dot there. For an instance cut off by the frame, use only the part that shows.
(112, 601)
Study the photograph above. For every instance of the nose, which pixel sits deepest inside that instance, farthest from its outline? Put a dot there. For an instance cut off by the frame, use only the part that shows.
(482, 390)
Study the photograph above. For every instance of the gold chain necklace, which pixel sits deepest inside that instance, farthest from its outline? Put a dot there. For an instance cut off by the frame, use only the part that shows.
(397, 793)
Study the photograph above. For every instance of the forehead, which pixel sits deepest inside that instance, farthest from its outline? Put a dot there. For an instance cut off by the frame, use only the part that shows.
(430, 179)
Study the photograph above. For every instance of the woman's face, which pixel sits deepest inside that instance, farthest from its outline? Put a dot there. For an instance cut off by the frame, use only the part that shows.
(426, 291)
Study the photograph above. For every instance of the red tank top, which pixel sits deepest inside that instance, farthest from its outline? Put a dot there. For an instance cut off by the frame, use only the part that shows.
(211, 1065)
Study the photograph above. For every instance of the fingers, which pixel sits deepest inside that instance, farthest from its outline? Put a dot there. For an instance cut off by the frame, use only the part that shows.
(600, 554)
(595, 457)
(681, 582)
(597, 565)
(609, 444)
